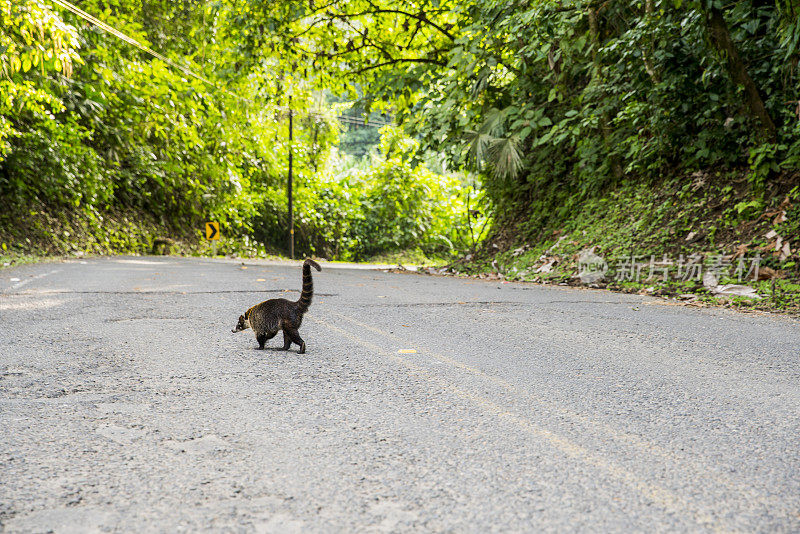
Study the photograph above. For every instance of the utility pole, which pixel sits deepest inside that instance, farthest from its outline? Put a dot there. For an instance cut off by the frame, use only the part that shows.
(289, 188)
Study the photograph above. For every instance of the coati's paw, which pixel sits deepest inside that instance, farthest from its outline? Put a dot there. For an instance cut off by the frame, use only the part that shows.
(302, 349)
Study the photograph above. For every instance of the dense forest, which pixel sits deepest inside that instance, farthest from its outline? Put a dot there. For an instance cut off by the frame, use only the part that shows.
(142, 120)
(657, 125)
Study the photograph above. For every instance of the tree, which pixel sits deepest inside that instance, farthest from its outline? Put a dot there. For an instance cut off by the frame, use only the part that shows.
(721, 38)
(34, 41)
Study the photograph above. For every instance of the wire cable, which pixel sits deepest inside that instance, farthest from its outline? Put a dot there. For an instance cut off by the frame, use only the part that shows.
(347, 119)
(130, 40)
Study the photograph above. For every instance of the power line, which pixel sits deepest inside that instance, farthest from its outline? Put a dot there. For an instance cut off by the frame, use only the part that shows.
(358, 121)
(130, 40)
(347, 119)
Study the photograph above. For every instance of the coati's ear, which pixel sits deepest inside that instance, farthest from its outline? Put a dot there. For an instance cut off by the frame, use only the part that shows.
(246, 315)
(242, 318)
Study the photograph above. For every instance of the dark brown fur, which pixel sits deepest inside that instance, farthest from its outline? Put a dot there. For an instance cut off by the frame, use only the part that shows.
(267, 318)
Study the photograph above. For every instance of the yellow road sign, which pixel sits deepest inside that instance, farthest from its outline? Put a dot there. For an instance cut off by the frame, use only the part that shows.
(212, 231)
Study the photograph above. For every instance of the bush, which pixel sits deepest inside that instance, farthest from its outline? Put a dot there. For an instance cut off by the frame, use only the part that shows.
(389, 206)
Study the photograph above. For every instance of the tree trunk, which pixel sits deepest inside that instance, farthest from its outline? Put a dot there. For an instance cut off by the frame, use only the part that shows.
(655, 76)
(605, 121)
(721, 38)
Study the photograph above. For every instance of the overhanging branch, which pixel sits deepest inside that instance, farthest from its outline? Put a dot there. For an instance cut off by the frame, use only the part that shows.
(396, 61)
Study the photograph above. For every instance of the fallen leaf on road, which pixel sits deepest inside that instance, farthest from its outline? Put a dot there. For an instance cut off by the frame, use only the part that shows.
(406, 351)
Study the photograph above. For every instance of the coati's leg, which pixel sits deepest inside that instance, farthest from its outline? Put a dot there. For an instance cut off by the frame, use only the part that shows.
(294, 336)
(287, 341)
(263, 338)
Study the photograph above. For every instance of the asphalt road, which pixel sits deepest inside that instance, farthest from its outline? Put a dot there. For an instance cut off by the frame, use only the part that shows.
(126, 404)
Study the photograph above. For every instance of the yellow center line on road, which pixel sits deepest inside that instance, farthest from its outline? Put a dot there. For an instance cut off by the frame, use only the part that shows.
(641, 445)
(662, 497)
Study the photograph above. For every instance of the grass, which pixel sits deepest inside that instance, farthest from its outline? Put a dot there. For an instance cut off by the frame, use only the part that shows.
(408, 257)
(13, 259)
(713, 216)
(711, 219)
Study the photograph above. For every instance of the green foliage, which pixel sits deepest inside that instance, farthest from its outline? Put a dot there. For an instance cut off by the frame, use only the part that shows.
(358, 141)
(47, 162)
(404, 207)
(748, 208)
(33, 43)
(577, 95)
(124, 131)
(552, 104)
(764, 161)
(390, 205)
(642, 221)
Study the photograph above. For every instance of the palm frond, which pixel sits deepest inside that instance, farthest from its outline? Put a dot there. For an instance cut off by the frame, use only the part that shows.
(480, 84)
(506, 157)
(477, 145)
(493, 122)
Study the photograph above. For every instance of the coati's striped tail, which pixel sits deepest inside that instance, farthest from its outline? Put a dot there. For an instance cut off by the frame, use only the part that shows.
(308, 286)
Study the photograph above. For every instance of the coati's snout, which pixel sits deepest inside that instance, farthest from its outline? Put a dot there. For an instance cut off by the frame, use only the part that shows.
(241, 325)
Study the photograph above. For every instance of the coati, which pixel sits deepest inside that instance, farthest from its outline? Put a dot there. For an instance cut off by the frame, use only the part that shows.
(280, 314)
